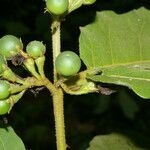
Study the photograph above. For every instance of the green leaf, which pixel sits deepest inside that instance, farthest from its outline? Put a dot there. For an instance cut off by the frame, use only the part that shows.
(119, 44)
(112, 142)
(9, 140)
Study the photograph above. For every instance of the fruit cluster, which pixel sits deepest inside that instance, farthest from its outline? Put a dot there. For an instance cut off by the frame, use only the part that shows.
(11, 85)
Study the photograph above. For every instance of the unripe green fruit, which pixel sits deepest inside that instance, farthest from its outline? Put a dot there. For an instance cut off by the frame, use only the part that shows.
(36, 49)
(10, 46)
(67, 63)
(4, 107)
(4, 90)
(89, 2)
(2, 63)
(57, 7)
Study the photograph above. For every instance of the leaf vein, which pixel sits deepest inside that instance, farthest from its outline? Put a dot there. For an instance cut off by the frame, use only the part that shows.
(130, 78)
(2, 143)
(110, 44)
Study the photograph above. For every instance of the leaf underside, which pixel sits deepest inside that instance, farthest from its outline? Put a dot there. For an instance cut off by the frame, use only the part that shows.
(119, 44)
(9, 140)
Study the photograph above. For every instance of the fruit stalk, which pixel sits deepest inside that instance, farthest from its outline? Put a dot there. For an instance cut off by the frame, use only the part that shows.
(40, 65)
(29, 64)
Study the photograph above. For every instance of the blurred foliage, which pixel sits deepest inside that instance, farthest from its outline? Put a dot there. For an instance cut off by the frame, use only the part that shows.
(86, 116)
(112, 142)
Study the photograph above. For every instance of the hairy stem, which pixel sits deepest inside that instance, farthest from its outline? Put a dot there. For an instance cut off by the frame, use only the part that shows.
(59, 119)
(56, 43)
(58, 106)
(58, 93)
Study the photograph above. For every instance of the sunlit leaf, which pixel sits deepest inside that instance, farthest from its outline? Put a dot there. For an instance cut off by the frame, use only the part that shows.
(119, 44)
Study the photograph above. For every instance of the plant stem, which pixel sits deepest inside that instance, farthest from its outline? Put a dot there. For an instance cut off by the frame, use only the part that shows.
(59, 119)
(56, 43)
(57, 94)
(58, 106)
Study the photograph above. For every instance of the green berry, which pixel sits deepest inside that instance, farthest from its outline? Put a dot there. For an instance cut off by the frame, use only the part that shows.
(10, 46)
(4, 107)
(36, 49)
(2, 63)
(57, 7)
(4, 90)
(67, 63)
(89, 2)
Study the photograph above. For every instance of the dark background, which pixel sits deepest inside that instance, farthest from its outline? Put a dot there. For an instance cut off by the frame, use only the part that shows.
(86, 116)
